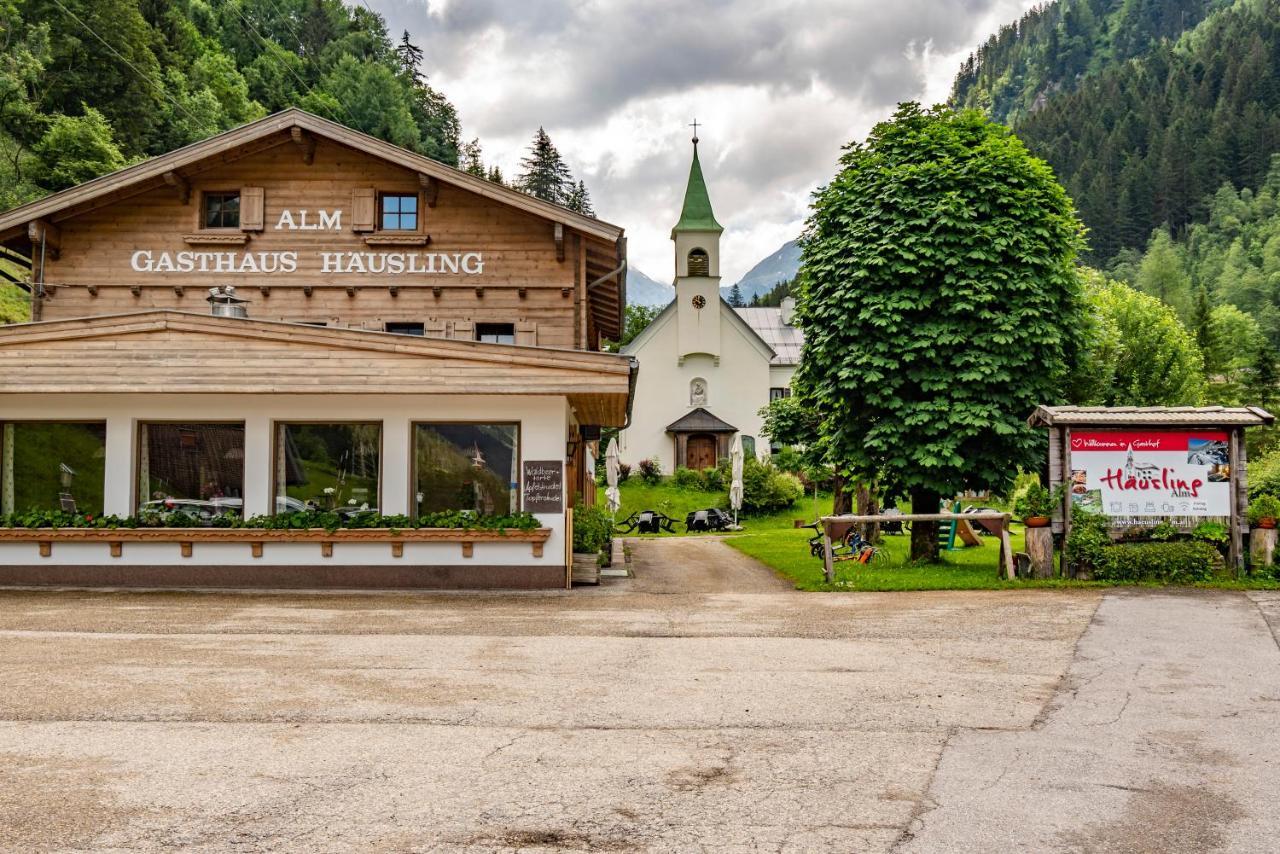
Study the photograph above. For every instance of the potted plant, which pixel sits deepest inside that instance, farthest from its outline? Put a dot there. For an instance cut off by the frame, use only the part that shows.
(1263, 511)
(592, 536)
(1035, 505)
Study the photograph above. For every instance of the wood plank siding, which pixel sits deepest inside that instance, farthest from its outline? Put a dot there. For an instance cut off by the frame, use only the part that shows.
(171, 352)
(523, 279)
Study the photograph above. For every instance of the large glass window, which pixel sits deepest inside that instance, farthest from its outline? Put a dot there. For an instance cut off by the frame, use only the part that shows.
(327, 467)
(467, 467)
(52, 466)
(193, 468)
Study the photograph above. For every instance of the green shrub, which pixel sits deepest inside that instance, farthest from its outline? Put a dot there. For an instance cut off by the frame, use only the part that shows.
(788, 459)
(592, 529)
(1176, 562)
(1089, 539)
(1163, 531)
(1214, 533)
(1264, 474)
(688, 479)
(713, 479)
(650, 470)
(764, 488)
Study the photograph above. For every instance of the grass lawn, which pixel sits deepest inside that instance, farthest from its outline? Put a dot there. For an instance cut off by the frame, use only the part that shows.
(773, 540)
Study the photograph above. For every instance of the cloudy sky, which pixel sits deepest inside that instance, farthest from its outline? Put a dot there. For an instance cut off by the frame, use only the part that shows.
(777, 86)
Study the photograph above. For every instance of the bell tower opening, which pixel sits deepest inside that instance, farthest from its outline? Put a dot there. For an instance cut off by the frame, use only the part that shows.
(699, 263)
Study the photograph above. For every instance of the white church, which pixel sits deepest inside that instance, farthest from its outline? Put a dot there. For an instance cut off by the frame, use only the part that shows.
(706, 368)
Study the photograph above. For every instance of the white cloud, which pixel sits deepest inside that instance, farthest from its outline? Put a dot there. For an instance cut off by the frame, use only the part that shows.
(778, 85)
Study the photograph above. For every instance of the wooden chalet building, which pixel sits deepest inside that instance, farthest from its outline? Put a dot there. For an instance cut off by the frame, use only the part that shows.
(417, 340)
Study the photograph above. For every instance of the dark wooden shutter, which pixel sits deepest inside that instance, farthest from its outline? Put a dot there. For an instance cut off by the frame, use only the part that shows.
(251, 208)
(364, 209)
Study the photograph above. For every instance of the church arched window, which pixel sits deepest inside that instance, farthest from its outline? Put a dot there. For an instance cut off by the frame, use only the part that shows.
(698, 392)
(699, 263)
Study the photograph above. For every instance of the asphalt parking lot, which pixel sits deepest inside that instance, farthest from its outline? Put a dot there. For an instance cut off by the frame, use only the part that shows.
(700, 706)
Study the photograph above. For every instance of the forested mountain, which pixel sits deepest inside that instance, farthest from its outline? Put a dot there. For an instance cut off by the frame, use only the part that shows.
(89, 85)
(1055, 45)
(1144, 143)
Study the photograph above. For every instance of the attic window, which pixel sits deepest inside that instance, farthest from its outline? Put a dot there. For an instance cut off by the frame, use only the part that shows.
(399, 212)
(222, 210)
(699, 263)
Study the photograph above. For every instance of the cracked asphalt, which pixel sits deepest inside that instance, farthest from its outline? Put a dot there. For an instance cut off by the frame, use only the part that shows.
(700, 706)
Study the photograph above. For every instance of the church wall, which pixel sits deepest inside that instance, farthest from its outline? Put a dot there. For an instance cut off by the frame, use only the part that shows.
(737, 389)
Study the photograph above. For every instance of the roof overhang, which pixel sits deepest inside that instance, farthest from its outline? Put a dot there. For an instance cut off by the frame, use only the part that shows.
(1150, 416)
(174, 352)
(700, 421)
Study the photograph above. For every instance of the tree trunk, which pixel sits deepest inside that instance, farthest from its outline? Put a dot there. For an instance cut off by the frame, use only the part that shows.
(868, 506)
(924, 535)
(842, 499)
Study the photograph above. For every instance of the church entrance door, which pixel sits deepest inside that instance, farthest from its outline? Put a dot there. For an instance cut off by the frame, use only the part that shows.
(701, 451)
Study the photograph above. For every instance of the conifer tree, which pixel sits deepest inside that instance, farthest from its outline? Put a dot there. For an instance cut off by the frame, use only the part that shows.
(410, 55)
(735, 296)
(545, 174)
(470, 159)
(579, 200)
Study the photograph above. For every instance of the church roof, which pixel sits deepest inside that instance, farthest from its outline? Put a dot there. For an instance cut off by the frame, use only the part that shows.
(696, 215)
(784, 339)
(700, 421)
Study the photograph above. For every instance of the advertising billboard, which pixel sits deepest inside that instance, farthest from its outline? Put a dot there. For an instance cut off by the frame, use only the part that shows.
(1137, 476)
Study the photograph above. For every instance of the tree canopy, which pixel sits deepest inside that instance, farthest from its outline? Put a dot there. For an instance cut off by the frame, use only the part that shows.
(939, 298)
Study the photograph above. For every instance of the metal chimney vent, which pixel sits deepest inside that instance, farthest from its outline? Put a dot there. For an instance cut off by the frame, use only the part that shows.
(223, 302)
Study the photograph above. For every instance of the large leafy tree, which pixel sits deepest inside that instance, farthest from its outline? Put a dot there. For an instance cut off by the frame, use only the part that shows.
(938, 294)
(1137, 352)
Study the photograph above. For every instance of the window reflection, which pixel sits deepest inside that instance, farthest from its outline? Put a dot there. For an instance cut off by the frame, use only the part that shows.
(196, 469)
(327, 467)
(471, 467)
(52, 466)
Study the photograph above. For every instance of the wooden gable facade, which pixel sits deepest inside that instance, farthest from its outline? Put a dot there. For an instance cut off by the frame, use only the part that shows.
(310, 244)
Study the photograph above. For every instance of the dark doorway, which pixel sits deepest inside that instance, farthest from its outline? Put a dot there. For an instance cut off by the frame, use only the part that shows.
(700, 452)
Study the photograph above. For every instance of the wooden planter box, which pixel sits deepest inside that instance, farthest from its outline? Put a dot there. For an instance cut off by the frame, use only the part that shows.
(187, 538)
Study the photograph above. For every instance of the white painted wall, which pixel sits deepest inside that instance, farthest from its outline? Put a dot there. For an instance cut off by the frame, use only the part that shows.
(780, 375)
(544, 423)
(737, 388)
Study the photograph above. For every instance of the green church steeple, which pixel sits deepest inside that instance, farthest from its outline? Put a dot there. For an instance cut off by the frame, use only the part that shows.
(696, 215)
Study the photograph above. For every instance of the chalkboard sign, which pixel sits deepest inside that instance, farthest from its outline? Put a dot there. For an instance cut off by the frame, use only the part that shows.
(543, 486)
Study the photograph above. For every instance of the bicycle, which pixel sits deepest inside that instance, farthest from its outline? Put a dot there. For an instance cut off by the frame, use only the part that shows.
(852, 546)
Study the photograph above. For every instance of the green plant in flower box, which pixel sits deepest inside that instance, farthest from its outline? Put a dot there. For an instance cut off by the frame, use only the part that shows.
(1264, 510)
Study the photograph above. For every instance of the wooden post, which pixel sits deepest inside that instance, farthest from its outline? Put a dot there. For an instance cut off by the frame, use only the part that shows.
(828, 560)
(1066, 498)
(1236, 521)
(1040, 550)
(1006, 549)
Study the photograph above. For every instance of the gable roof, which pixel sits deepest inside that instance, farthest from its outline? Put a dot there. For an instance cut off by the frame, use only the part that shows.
(1155, 416)
(286, 120)
(664, 316)
(696, 215)
(177, 352)
(700, 421)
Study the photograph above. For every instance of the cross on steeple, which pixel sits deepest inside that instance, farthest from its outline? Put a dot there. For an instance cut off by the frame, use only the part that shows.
(694, 125)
